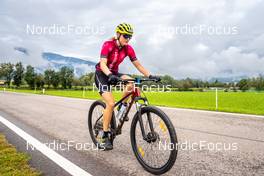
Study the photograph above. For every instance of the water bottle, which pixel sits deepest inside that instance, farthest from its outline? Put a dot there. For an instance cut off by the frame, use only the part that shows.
(121, 111)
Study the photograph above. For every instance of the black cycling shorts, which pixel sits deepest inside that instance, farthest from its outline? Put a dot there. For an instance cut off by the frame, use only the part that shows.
(101, 81)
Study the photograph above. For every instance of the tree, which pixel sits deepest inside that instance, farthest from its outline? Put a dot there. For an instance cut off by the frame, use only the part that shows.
(30, 76)
(259, 83)
(88, 79)
(76, 82)
(55, 79)
(39, 81)
(185, 84)
(206, 84)
(6, 71)
(66, 77)
(168, 80)
(48, 76)
(243, 84)
(18, 74)
(217, 84)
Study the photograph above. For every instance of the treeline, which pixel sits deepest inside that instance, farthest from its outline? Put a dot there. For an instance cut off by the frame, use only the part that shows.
(256, 83)
(189, 84)
(65, 78)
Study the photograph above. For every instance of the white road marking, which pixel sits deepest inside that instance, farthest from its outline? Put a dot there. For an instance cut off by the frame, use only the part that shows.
(214, 112)
(67, 165)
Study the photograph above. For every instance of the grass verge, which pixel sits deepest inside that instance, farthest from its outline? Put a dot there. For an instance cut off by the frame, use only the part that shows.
(13, 162)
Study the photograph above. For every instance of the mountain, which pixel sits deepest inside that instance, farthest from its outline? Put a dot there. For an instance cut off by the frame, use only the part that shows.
(56, 61)
(228, 79)
(52, 57)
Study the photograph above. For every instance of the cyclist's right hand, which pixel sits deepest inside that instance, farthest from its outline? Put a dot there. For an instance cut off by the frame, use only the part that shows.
(157, 78)
(113, 79)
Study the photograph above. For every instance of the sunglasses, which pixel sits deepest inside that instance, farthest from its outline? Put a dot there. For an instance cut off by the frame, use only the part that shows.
(127, 36)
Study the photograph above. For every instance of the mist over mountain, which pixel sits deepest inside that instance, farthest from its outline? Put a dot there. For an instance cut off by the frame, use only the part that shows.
(82, 66)
(56, 61)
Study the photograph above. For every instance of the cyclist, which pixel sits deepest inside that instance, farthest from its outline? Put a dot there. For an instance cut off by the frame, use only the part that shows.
(113, 53)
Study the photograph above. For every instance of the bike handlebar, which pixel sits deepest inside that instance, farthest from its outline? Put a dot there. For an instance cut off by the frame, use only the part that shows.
(137, 80)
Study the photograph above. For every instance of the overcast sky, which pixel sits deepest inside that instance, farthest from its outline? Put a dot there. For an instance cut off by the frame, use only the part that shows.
(188, 38)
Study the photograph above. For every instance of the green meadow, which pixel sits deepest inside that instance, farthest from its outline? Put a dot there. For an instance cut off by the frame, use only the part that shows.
(238, 102)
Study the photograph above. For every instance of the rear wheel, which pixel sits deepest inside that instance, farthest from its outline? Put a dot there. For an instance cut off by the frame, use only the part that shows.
(95, 120)
(157, 153)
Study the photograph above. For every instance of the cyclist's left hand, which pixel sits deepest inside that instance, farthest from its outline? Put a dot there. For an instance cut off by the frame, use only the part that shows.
(157, 78)
(113, 79)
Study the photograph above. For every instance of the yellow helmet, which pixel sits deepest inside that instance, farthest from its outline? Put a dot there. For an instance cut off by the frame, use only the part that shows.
(124, 28)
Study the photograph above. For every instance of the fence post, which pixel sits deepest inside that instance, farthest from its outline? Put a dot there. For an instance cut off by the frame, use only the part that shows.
(83, 92)
(216, 99)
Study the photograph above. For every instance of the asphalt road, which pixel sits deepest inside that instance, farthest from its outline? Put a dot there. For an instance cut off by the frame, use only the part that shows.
(211, 143)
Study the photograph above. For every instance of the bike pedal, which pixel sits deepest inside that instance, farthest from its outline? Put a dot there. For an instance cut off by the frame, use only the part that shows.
(126, 119)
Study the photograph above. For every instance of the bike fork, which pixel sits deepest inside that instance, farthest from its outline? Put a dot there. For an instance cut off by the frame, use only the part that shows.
(138, 107)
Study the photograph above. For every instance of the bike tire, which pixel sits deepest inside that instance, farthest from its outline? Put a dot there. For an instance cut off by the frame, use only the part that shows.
(90, 120)
(173, 155)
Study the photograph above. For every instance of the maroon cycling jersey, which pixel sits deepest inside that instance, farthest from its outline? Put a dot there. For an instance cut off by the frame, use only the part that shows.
(115, 56)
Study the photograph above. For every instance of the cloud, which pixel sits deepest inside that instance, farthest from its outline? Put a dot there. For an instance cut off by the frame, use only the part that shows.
(237, 62)
(161, 51)
(34, 58)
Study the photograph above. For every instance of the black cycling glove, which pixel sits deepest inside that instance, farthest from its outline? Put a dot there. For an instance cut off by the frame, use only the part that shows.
(155, 78)
(113, 79)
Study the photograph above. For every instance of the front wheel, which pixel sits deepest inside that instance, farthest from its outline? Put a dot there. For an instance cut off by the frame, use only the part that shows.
(158, 151)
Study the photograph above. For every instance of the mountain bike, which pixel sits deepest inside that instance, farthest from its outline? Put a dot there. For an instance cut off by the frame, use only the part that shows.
(152, 134)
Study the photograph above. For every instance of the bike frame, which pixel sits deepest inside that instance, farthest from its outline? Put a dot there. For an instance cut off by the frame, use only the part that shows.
(135, 97)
